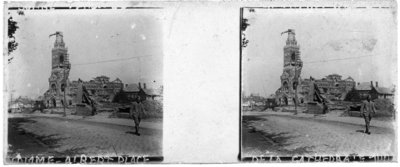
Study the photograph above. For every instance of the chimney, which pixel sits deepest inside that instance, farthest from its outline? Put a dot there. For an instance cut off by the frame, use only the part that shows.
(140, 85)
(144, 85)
(376, 84)
(372, 84)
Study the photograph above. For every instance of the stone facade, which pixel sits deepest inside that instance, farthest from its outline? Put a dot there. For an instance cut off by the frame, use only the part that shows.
(333, 87)
(287, 94)
(61, 89)
(293, 89)
(100, 88)
(58, 80)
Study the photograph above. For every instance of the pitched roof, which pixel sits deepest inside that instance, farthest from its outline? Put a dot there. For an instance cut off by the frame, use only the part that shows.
(149, 91)
(152, 92)
(364, 86)
(383, 90)
(131, 88)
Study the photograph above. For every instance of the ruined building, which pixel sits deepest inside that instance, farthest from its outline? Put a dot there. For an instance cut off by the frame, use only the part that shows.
(100, 88)
(333, 87)
(63, 92)
(58, 81)
(293, 89)
(287, 94)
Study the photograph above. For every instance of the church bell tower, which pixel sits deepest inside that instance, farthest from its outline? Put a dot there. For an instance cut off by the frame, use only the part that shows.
(292, 65)
(60, 67)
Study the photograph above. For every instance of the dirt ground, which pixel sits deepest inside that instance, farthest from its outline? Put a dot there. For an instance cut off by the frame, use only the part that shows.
(61, 137)
(286, 135)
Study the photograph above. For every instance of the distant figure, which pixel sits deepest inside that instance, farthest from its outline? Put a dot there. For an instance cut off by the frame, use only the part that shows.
(136, 113)
(94, 109)
(366, 110)
(325, 107)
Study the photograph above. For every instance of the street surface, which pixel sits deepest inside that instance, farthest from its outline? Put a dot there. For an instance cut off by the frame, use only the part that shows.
(282, 134)
(55, 136)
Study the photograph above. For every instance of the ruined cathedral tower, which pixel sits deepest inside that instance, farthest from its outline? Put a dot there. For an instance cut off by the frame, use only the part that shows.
(60, 67)
(287, 94)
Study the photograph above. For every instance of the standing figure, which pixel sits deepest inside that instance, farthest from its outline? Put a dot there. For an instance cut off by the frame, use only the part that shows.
(366, 110)
(94, 109)
(324, 107)
(136, 113)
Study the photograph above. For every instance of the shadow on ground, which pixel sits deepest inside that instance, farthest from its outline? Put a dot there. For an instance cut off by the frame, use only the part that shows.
(360, 131)
(254, 141)
(28, 144)
(144, 131)
(132, 133)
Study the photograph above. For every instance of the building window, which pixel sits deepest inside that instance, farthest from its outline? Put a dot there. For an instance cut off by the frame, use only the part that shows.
(61, 58)
(285, 85)
(62, 87)
(293, 56)
(53, 87)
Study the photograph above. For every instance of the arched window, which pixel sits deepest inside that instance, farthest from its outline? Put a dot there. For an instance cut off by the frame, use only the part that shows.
(293, 56)
(53, 87)
(285, 85)
(294, 85)
(61, 58)
(62, 87)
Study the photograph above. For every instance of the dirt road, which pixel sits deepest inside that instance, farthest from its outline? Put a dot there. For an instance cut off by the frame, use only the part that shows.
(268, 134)
(61, 137)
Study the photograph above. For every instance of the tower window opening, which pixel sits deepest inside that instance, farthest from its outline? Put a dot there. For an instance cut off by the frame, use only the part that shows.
(293, 56)
(53, 87)
(285, 86)
(61, 58)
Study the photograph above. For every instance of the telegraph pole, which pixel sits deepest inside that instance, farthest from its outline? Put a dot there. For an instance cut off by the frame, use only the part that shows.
(65, 85)
(295, 94)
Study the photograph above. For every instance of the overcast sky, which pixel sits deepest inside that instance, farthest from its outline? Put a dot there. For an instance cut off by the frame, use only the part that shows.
(324, 37)
(91, 36)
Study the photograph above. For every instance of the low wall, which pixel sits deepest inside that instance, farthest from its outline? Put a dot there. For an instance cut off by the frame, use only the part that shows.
(314, 108)
(83, 110)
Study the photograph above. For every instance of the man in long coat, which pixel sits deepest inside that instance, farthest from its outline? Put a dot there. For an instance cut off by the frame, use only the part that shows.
(367, 108)
(136, 112)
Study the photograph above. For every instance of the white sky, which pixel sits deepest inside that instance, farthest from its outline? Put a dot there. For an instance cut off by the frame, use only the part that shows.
(322, 35)
(91, 36)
